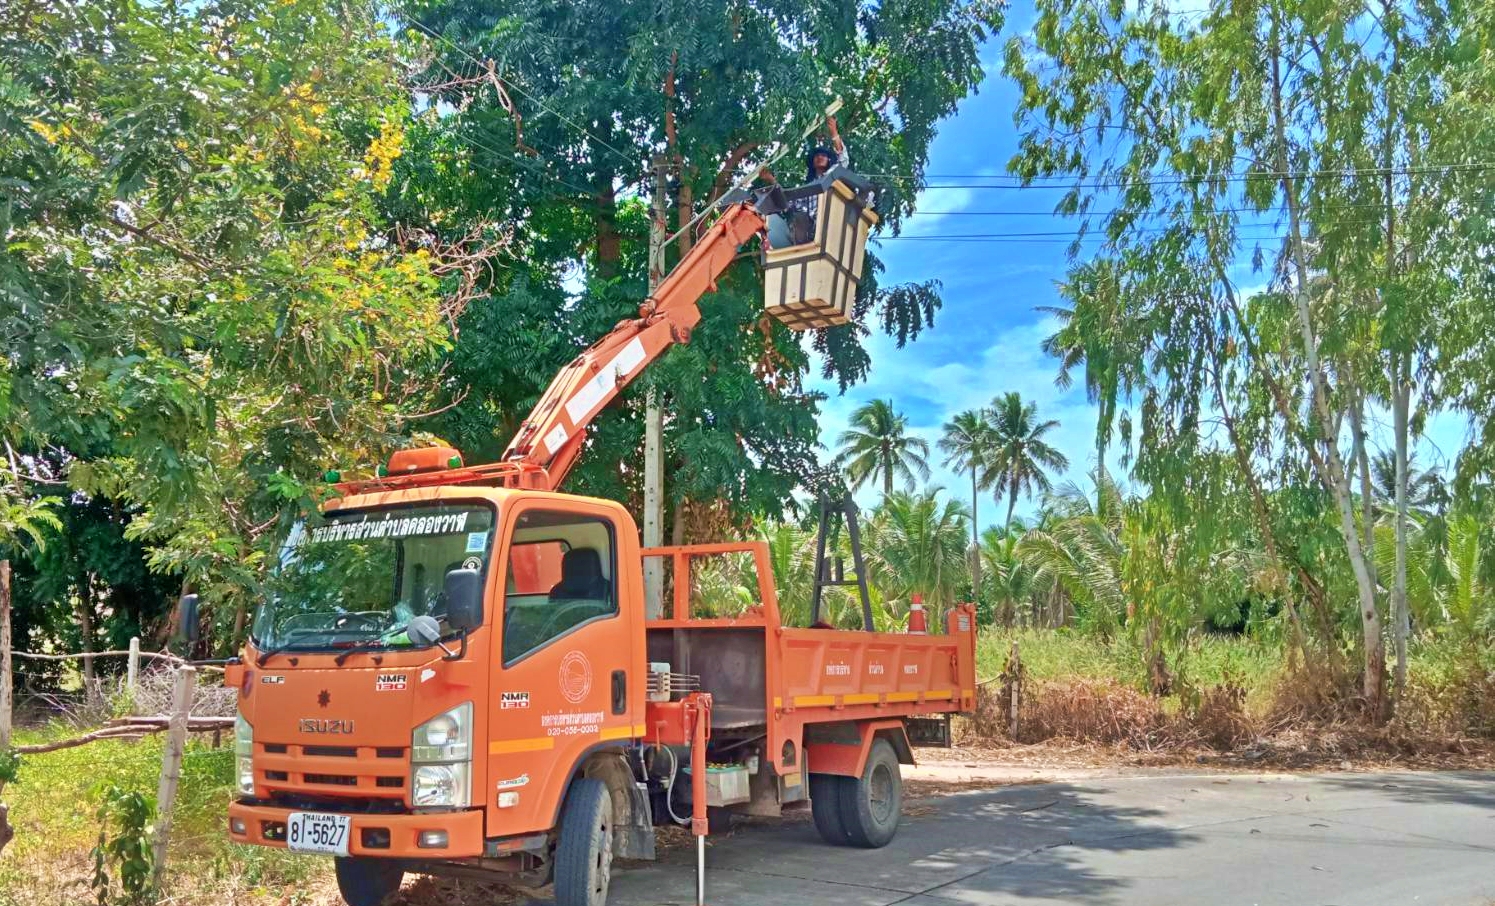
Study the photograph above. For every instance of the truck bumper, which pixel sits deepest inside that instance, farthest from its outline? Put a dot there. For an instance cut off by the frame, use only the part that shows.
(379, 836)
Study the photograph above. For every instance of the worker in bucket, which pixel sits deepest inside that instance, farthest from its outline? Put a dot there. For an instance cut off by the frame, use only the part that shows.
(821, 160)
(796, 226)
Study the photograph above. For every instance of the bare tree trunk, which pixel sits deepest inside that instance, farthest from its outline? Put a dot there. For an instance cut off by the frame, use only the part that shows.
(6, 681)
(1360, 459)
(677, 525)
(1011, 503)
(1253, 485)
(975, 540)
(1373, 681)
(85, 632)
(1401, 394)
(1401, 369)
(240, 615)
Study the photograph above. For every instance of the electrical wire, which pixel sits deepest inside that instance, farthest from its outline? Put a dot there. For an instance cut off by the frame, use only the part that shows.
(1070, 235)
(1061, 181)
(1117, 211)
(631, 162)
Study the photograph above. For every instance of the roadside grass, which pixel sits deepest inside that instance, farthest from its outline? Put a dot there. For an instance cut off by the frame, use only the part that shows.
(1207, 661)
(53, 808)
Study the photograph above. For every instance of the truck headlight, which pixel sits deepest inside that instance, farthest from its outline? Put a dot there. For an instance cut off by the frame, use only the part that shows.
(440, 759)
(445, 737)
(244, 755)
(440, 785)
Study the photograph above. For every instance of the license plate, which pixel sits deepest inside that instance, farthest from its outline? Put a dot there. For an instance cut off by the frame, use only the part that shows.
(315, 832)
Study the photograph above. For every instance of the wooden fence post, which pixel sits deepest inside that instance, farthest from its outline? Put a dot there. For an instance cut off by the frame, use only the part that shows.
(132, 672)
(171, 768)
(1015, 670)
(5, 676)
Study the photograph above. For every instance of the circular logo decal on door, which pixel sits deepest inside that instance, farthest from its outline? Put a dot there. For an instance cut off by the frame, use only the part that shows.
(576, 677)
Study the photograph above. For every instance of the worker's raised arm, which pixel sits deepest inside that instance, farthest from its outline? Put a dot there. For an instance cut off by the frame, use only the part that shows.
(553, 434)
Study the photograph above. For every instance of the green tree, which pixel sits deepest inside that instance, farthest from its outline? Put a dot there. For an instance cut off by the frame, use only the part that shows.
(791, 551)
(190, 196)
(916, 545)
(1020, 455)
(877, 447)
(1239, 120)
(1011, 583)
(1424, 488)
(555, 142)
(968, 445)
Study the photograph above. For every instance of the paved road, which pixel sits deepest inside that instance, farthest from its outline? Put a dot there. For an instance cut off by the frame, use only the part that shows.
(1343, 839)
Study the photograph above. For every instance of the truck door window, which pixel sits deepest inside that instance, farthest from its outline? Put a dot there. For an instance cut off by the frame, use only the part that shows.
(561, 573)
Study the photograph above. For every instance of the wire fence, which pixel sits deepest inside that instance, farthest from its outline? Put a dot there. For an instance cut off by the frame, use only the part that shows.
(174, 717)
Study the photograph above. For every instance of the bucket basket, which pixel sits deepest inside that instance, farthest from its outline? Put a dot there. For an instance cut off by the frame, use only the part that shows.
(814, 284)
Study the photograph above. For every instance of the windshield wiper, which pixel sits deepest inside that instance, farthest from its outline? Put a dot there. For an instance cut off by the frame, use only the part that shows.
(284, 646)
(356, 647)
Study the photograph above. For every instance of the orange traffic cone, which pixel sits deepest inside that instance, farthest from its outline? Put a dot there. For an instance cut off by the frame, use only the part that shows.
(917, 622)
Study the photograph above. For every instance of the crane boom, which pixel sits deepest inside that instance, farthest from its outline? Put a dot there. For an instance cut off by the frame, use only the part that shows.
(553, 434)
(549, 440)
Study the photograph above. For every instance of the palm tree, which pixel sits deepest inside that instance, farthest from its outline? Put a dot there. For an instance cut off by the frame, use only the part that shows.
(1011, 582)
(916, 544)
(791, 554)
(968, 444)
(878, 445)
(1021, 454)
(1424, 488)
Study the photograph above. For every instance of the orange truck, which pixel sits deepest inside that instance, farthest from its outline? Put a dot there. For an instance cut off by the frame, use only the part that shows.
(452, 670)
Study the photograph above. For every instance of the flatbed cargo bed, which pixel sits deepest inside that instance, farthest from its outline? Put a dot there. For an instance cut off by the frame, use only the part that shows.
(772, 680)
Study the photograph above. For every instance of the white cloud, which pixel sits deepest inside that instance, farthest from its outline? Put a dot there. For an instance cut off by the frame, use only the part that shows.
(1012, 359)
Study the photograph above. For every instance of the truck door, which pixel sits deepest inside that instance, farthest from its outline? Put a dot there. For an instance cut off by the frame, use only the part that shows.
(564, 652)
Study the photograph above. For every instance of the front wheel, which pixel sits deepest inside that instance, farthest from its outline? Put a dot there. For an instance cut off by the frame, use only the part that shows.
(367, 882)
(584, 852)
(872, 803)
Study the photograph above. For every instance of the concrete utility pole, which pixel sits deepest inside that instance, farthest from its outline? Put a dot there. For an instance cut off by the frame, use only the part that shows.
(654, 417)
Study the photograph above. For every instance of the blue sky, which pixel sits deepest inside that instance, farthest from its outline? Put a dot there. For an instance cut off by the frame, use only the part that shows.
(986, 338)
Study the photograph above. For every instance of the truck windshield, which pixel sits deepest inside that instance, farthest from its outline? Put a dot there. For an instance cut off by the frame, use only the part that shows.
(358, 578)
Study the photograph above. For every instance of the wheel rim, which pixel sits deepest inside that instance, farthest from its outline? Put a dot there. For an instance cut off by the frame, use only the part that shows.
(604, 866)
(880, 793)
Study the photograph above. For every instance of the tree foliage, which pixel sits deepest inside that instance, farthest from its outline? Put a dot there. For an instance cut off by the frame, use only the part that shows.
(203, 304)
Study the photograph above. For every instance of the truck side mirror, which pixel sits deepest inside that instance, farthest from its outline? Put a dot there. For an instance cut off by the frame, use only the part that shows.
(187, 628)
(464, 598)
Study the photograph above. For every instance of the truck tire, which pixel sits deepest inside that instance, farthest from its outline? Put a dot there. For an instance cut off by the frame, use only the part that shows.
(871, 804)
(825, 807)
(367, 882)
(584, 852)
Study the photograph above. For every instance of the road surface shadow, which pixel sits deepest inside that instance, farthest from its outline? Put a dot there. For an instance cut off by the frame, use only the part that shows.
(1017, 842)
(1471, 788)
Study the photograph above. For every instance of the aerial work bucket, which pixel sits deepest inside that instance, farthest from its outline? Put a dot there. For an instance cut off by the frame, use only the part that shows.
(814, 283)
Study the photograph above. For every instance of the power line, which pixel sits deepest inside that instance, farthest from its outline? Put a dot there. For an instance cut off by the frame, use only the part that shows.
(541, 104)
(1118, 211)
(1062, 182)
(1095, 235)
(1038, 241)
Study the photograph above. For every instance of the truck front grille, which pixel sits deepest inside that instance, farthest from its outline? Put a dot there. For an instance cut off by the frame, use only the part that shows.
(333, 779)
(330, 751)
(339, 772)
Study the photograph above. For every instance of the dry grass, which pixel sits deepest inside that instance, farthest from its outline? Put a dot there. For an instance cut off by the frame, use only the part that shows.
(1310, 721)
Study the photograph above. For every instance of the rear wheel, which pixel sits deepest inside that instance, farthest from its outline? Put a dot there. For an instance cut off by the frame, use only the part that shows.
(367, 882)
(584, 852)
(825, 807)
(871, 804)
